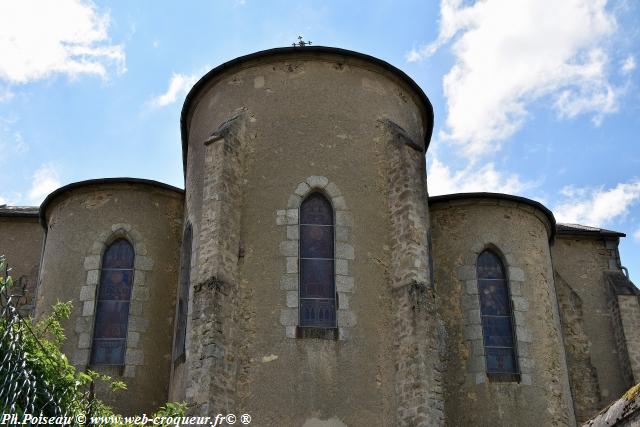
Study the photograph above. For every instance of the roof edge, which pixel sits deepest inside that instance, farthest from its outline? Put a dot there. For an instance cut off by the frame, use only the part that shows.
(569, 230)
(99, 181)
(209, 76)
(26, 212)
(501, 196)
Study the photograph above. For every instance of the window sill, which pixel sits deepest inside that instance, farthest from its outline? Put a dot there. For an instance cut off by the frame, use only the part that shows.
(503, 378)
(310, 332)
(111, 370)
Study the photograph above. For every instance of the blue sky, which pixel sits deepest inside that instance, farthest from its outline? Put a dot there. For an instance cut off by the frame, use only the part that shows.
(532, 97)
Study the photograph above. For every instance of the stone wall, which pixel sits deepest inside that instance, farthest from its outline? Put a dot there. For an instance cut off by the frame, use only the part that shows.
(82, 219)
(518, 231)
(582, 262)
(213, 328)
(418, 382)
(630, 319)
(299, 121)
(583, 376)
(615, 293)
(624, 304)
(21, 239)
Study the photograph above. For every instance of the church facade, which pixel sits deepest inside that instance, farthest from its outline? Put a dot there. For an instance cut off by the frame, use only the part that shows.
(305, 277)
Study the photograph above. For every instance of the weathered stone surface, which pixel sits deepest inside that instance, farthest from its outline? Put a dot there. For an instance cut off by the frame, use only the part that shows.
(317, 181)
(82, 222)
(93, 277)
(134, 357)
(289, 317)
(342, 267)
(87, 293)
(418, 365)
(289, 248)
(339, 203)
(344, 283)
(292, 265)
(84, 340)
(461, 231)
(346, 318)
(143, 263)
(343, 218)
(302, 189)
(294, 201)
(88, 308)
(214, 318)
(293, 233)
(289, 282)
(332, 190)
(583, 263)
(342, 234)
(292, 299)
(92, 262)
(629, 307)
(516, 273)
(583, 375)
(345, 251)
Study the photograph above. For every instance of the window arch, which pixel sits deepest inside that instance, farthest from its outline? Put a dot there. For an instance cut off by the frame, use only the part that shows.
(497, 319)
(112, 305)
(317, 294)
(183, 296)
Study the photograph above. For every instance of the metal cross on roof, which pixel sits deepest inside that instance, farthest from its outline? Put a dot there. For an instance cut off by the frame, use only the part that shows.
(300, 43)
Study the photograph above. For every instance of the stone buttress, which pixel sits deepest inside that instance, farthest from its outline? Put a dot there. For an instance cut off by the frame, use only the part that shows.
(418, 367)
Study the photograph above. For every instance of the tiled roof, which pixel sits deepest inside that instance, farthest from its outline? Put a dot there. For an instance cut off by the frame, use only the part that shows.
(564, 228)
(22, 211)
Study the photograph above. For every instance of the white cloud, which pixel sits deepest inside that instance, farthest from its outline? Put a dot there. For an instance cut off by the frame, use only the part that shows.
(12, 143)
(636, 234)
(442, 180)
(5, 94)
(20, 146)
(45, 180)
(179, 85)
(628, 65)
(39, 39)
(508, 53)
(597, 206)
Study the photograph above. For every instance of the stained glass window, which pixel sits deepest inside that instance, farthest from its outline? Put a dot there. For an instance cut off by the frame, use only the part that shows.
(317, 284)
(497, 319)
(112, 306)
(183, 296)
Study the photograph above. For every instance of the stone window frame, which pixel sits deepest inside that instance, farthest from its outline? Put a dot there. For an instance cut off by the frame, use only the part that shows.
(138, 324)
(344, 256)
(515, 276)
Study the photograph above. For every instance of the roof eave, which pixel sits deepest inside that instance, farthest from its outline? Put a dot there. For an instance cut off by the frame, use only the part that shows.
(184, 133)
(100, 181)
(501, 196)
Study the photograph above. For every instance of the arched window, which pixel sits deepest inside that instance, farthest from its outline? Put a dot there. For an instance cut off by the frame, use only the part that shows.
(317, 284)
(497, 319)
(183, 296)
(112, 307)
